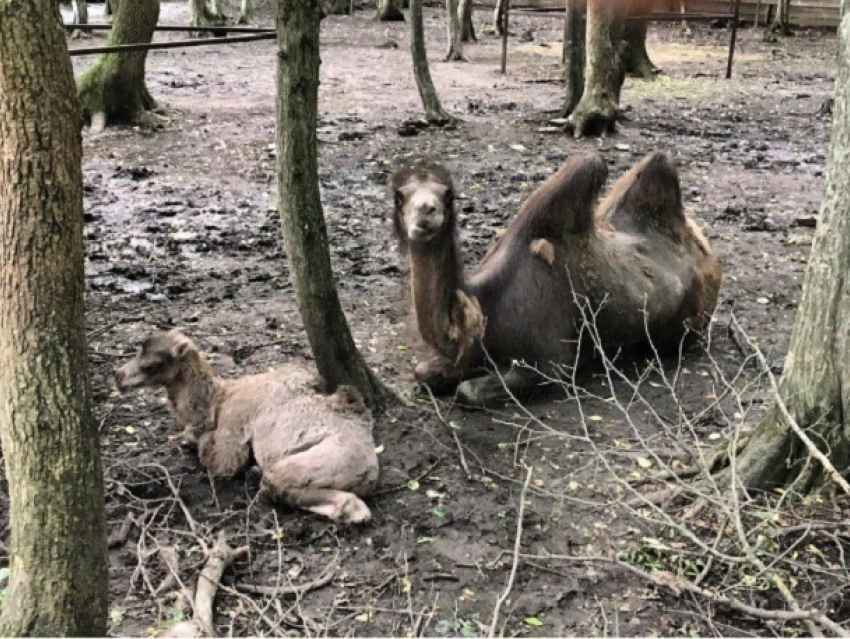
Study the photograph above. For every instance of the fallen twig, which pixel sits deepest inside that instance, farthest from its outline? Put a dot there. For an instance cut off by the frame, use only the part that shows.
(291, 590)
(517, 541)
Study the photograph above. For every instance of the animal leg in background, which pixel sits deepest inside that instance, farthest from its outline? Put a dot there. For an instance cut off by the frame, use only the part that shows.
(493, 389)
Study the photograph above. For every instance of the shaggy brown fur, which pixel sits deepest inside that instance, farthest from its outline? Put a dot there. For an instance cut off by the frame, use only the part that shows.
(636, 260)
(316, 451)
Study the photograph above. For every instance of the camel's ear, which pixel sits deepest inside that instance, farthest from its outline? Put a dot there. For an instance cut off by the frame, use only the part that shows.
(181, 345)
(398, 199)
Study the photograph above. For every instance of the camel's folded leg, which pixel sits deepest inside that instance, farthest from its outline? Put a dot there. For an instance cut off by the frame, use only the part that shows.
(322, 479)
(517, 383)
(441, 375)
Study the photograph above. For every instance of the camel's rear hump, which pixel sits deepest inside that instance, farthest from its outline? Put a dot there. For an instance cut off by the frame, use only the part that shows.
(564, 202)
(646, 197)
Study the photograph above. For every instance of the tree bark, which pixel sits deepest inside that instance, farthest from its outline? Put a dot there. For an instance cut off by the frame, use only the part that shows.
(596, 112)
(454, 50)
(304, 231)
(573, 54)
(635, 57)
(815, 386)
(113, 89)
(467, 28)
(388, 11)
(246, 12)
(58, 582)
(434, 113)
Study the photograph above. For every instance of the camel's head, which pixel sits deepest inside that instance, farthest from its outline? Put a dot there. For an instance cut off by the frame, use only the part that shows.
(424, 203)
(158, 362)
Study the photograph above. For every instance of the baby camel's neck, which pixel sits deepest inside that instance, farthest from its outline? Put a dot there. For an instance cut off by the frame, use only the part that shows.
(193, 391)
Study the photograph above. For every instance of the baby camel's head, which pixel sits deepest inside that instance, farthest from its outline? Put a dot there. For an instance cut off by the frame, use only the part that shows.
(160, 360)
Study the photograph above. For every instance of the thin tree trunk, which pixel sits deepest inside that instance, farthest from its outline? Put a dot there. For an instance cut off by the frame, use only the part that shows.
(80, 16)
(499, 16)
(454, 50)
(246, 12)
(430, 100)
(113, 89)
(81, 12)
(573, 54)
(635, 57)
(388, 11)
(779, 26)
(203, 14)
(467, 28)
(58, 582)
(304, 231)
(596, 112)
(109, 7)
(815, 385)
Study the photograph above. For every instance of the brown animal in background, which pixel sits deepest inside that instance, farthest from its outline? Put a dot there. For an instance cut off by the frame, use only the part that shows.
(316, 451)
(636, 261)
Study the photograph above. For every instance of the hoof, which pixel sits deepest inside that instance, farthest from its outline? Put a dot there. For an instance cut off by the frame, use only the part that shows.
(481, 393)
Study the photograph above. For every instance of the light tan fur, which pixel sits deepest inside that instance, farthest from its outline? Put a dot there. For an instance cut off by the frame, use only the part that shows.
(316, 451)
(544, 250)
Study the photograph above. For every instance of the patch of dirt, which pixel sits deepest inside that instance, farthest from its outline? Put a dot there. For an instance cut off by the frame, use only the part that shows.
(182, 229)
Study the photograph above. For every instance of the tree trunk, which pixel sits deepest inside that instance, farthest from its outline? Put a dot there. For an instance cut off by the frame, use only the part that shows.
(499, 16)
(573, 54)
(205, 14)
(388, 11)
(635, 57)
(596, 112)
(304, 232)
(467, 28)
(779, 26)
(80, 16)
(434, 113)
(454, 50)
(246, 12)
(58, 582)
(815, 386)
(81, 12)
(113, 89)
(109, 7)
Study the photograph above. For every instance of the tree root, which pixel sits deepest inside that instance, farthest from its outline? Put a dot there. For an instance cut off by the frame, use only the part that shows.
(220, 558)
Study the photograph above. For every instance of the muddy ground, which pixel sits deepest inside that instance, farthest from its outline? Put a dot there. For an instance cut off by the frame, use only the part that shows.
(182, 229)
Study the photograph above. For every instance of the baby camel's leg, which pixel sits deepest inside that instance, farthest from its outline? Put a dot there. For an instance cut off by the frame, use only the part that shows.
(321, 480)
(224, 453)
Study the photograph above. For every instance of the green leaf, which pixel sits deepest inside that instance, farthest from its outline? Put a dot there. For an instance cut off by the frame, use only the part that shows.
(440, 512)
(413, 484)
(425, 540)
(533, 621)
(4, 574)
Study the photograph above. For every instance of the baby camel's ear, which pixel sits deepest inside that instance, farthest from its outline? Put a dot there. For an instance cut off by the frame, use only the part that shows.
(181, 345)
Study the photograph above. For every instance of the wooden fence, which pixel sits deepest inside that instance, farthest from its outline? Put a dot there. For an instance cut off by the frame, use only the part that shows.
(803, 13)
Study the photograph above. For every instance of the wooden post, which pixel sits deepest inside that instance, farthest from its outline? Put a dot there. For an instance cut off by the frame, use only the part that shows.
(732, 39)
(758, 14)
(507, 10)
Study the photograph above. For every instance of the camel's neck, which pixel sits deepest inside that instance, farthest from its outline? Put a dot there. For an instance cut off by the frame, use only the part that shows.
(193, 392)
(436, 271)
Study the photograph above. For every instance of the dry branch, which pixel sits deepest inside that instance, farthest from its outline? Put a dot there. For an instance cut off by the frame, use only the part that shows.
(220, 558)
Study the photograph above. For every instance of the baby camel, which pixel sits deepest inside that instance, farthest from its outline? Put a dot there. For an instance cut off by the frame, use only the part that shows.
(316, 451)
